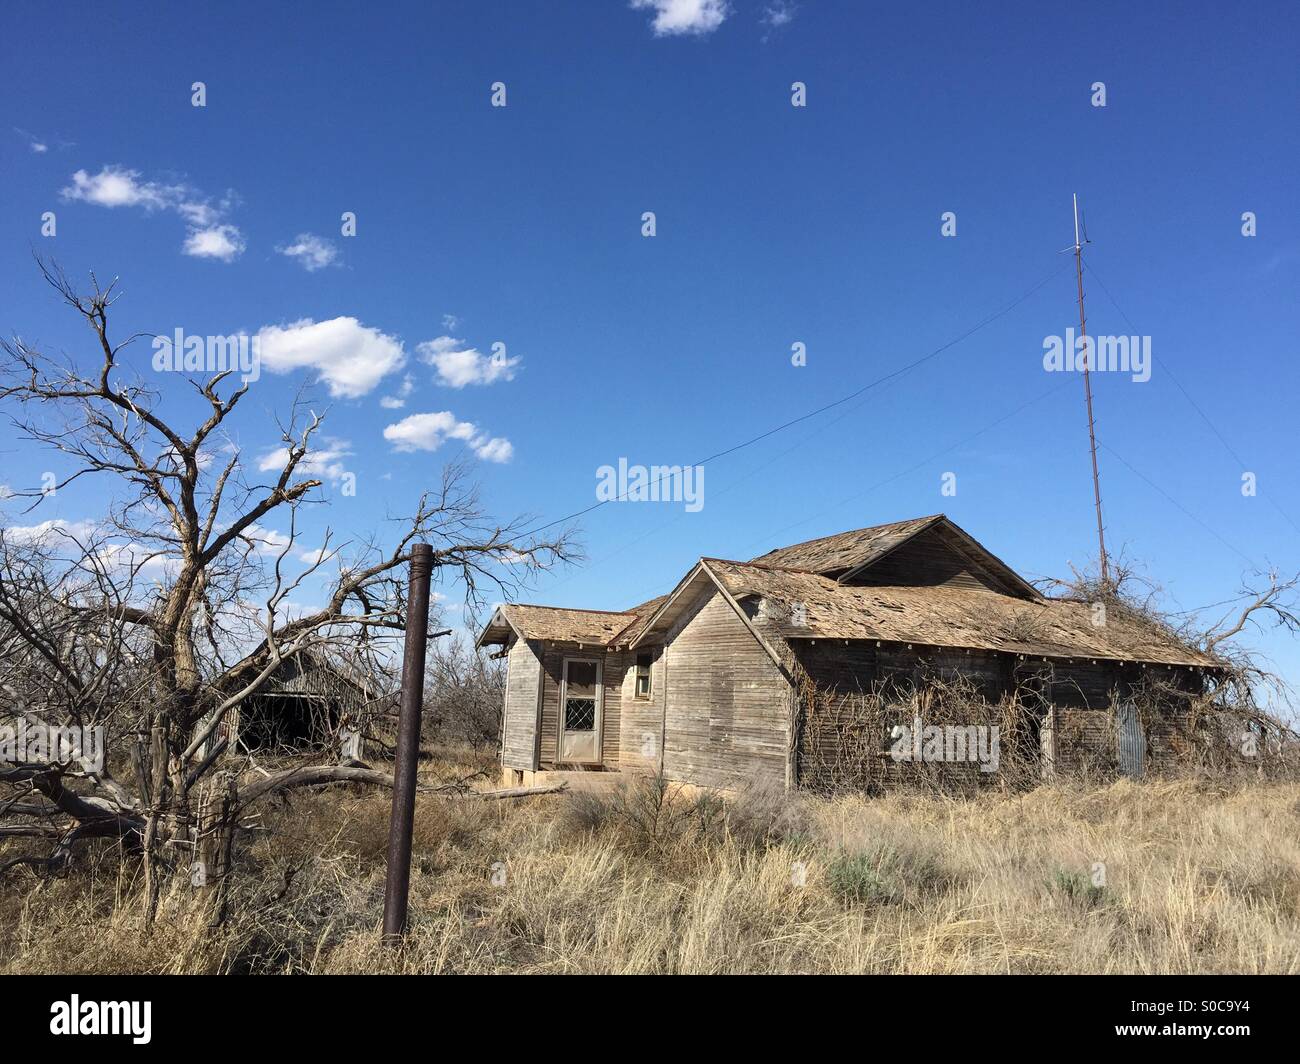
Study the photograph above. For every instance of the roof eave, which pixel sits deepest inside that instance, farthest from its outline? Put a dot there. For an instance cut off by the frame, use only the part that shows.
(1021, 652)
(496, 632)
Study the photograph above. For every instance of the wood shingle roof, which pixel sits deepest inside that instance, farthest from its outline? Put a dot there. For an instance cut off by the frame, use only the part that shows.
(947, 617)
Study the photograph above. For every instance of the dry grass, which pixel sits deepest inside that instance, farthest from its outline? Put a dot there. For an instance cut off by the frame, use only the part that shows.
(1198, 878)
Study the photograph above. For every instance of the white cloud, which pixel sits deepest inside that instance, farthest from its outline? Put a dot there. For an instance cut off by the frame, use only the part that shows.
(318, 556)
(138, 559)
(311, 252)
(349, 357)
(497, 449)
(428, 432)
(266, 540)
(223, 242)
(325, 460)
(458, 365)
(676, 17)
(778, 14)
(117, 186)
(396, 402)
(449, 322)
(51, 531)
(41, 145)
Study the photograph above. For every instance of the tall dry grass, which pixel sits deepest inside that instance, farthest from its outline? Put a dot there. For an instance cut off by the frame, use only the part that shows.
(1197, 878)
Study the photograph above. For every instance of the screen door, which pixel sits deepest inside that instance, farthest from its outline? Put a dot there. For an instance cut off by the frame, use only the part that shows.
(580, 707)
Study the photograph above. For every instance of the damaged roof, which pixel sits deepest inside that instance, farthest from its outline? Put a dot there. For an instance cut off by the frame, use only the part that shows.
(597, 627)
(946, 616)
(847, 550)
(1021, 621)
(591, 627)
(847, 554)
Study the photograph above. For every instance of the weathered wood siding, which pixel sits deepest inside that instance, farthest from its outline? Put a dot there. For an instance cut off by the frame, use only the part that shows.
(611, 731)
(837, 665)
(728, 705)
(519, 730)
(552, 667)
(641, 719)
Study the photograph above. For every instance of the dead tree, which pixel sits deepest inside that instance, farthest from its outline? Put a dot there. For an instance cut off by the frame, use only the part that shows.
(464, 694)
(1245, 704)
(158, 622)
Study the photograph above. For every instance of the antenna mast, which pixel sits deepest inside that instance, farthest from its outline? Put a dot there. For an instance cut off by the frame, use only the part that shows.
(1087, 390)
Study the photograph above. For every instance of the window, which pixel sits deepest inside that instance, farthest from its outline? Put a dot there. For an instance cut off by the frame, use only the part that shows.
(643, 675)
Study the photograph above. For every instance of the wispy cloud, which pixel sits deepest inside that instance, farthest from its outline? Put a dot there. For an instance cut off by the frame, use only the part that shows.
(266, 540)
(428, 432)
(317, 555)
(458, 365)
(778, 14)
(311, 252)
(325, 460)
(349, 357)
(396, 402)
(209, 236)
(678, 17)
(37, 144)
(54, 529)
(40, 145)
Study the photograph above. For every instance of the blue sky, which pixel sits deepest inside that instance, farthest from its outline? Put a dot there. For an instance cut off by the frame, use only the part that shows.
(775, 224)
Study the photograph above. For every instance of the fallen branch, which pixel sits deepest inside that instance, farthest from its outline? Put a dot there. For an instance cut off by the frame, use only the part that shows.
(29, 831)
(26, 860)
(320, 775)
(517, 792)
(311, 776)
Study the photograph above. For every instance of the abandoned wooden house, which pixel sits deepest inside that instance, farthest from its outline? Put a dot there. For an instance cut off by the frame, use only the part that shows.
(709, 684)
(308, 703)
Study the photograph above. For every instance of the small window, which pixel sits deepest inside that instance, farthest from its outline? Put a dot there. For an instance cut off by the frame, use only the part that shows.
(643, 675)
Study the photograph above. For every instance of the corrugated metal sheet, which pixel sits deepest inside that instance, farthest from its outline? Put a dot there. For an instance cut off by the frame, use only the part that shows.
(1131, 740)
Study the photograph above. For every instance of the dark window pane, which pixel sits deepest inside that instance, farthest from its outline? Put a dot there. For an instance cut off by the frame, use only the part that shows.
(582, 679)
(580, 714)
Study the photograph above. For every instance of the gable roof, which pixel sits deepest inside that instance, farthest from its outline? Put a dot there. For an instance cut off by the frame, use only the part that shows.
(1021, 621)
(596, 627)
(948, 617)
(847, 554)
(847, 550)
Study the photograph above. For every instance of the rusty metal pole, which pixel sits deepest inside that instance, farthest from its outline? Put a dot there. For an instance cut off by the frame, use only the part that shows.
(398, 880)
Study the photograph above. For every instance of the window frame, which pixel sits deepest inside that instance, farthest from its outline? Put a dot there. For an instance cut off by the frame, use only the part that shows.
(649, 677)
